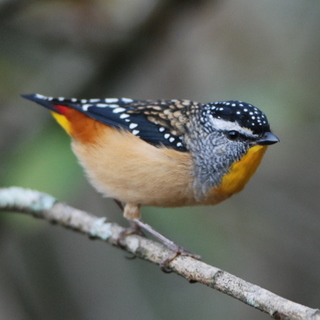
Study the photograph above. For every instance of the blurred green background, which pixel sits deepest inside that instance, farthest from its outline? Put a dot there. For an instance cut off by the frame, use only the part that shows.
(264, 52)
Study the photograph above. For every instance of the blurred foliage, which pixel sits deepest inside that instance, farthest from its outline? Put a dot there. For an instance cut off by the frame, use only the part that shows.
(263, 52)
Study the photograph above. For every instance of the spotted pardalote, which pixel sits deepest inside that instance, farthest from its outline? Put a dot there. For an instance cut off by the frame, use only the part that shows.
(166, 153)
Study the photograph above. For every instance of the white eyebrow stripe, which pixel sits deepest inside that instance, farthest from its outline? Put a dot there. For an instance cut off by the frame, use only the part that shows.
(223, 125)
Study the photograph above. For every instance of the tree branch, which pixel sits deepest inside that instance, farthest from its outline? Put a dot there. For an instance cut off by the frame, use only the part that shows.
(46, 207)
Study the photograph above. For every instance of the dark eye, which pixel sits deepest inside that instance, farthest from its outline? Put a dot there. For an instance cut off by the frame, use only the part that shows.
(233, 135)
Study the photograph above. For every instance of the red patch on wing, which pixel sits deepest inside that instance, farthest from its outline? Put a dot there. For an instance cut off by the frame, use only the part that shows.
(62, 109)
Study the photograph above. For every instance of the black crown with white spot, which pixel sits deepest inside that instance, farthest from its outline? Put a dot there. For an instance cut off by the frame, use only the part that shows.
(246, 115)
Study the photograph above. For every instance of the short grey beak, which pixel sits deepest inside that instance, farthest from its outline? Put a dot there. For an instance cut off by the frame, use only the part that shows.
(267, 139)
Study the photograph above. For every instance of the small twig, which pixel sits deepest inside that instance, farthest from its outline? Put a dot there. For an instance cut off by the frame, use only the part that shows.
(46, 207)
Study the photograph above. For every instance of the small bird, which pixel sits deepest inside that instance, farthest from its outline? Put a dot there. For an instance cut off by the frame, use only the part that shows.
(164, 153)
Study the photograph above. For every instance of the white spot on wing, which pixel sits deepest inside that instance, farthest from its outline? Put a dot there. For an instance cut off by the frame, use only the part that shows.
(126, 100)
(111, 100)
(104, 105)
(40, 96)
(135, 132)
(86, 106)
(124, 115)
(132, 125)
(119, 110)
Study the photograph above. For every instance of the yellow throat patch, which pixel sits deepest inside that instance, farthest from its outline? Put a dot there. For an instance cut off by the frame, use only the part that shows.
(241, 172)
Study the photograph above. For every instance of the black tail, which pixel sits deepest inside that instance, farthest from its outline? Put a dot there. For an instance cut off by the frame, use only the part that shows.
(47, 102)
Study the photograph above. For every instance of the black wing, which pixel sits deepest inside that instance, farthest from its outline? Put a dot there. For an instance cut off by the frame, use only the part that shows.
(158, 122)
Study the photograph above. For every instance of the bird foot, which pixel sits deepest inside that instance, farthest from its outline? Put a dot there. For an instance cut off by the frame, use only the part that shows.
(176, 251)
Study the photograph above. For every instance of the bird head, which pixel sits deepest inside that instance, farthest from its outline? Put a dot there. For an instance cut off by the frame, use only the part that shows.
(221, 134)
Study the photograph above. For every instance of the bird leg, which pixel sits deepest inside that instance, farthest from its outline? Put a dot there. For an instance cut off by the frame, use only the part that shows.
(132, 213)
(133, 229)
(176, 249)
(119, 204)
